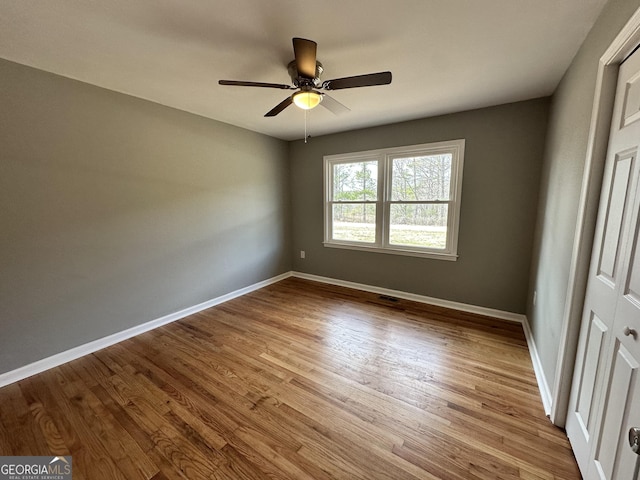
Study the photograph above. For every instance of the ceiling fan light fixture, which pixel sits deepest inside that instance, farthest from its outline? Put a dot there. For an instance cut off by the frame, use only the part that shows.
(305, 71)
(307, 99)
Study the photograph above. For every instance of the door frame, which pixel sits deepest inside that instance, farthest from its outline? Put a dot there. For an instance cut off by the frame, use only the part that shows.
(621, 47)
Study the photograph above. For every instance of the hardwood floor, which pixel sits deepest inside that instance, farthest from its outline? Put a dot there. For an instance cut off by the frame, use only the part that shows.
(299, 380)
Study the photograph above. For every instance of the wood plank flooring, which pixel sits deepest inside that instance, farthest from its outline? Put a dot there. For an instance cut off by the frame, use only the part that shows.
(299, 380)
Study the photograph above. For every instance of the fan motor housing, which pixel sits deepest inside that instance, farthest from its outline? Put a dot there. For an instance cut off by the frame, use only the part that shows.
(299, 81)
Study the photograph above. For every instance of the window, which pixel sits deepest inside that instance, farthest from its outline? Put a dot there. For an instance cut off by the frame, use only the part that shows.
(399, 200)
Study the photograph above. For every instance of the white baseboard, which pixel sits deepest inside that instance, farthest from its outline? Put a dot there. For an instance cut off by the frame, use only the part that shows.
(464, 307)
(545, 392)
(543, 385)
(79, 351)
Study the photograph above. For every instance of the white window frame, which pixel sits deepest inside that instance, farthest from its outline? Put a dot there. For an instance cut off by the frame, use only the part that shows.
(385, 157)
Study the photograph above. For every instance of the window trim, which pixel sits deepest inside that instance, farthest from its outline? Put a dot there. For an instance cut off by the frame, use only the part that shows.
(385, 157)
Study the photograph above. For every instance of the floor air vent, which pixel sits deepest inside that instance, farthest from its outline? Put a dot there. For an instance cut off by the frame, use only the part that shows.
(387, 298)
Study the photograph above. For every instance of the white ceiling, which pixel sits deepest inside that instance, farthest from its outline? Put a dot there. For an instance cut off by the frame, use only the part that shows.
(445, 55)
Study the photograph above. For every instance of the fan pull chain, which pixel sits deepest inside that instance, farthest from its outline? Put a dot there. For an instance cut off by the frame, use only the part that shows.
(306, 113)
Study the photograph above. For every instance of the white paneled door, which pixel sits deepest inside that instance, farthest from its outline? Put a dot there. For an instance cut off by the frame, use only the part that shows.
(605, 396)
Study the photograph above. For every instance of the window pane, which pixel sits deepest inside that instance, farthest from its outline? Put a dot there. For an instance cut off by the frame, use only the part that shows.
(355, 181)
(421, 178)
(419, 225)
(354, 222)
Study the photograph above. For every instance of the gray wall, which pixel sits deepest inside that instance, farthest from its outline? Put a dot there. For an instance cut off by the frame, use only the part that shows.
(564, 161)
(115, 211)
(503, 158)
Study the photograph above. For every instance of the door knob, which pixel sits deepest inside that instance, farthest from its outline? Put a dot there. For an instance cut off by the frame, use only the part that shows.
(630, 332)
(634, 439)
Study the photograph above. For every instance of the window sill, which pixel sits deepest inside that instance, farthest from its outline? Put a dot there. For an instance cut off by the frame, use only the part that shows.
(394, 251)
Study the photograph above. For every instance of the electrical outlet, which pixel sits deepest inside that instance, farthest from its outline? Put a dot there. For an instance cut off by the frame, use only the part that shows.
(302, 254)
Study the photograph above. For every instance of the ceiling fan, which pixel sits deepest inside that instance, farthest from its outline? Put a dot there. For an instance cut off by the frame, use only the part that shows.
(305, 72)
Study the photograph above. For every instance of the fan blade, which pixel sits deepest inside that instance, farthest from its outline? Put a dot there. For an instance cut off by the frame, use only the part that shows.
(369, 80)
(240, 83)
(333, 105)
(280, 107)
(305, 54)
